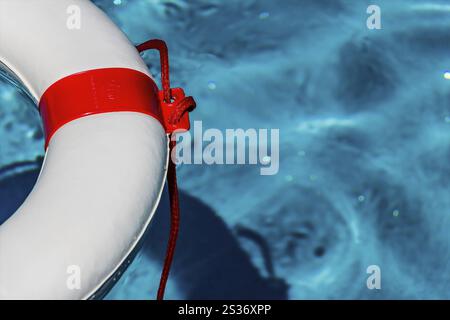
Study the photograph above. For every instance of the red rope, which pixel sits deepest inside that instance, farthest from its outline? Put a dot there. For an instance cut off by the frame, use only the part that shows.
(182, 106)
(174, 224)
(161, 46)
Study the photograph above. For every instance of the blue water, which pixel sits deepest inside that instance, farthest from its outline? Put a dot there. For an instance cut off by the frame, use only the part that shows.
(364, 123)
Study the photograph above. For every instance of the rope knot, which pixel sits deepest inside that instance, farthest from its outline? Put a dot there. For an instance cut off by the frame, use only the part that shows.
(176, 112)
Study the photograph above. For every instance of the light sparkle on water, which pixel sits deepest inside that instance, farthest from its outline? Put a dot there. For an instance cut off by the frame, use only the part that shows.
(212, 85)
(264, 15)
(447, 75)
(266, 160)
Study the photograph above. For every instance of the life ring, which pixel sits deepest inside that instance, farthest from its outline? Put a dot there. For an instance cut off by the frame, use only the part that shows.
(106, 150)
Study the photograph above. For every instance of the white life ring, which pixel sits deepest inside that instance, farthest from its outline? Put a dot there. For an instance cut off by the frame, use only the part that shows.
(103, 174)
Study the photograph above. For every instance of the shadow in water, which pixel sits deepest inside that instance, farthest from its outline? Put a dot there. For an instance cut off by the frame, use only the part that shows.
(209, 262)
(16, 182)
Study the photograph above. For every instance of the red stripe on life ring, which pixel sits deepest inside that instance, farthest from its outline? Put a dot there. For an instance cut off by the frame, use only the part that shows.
(98, 91)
